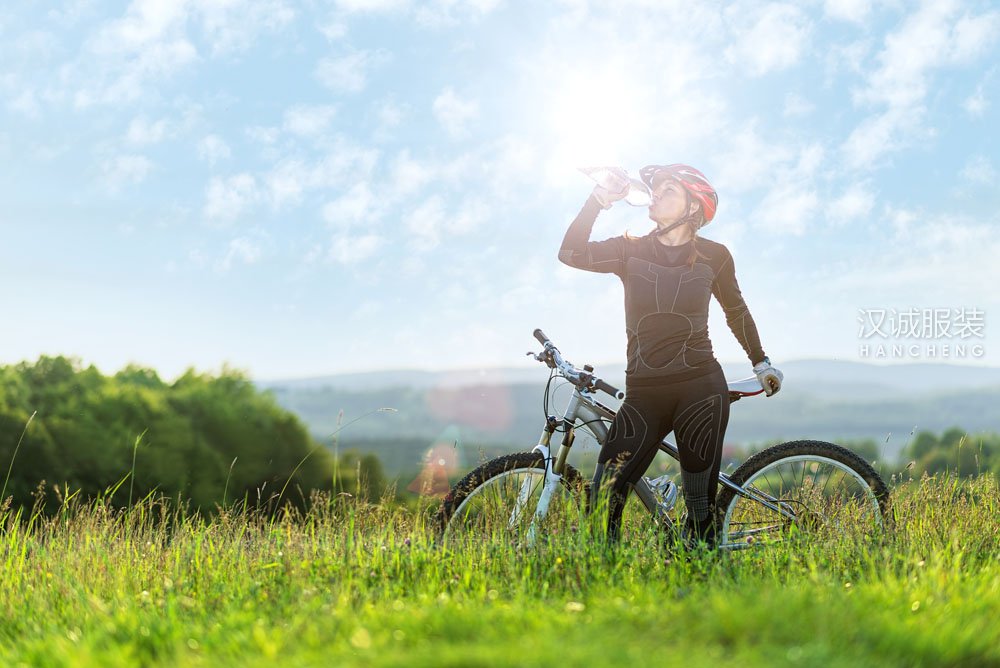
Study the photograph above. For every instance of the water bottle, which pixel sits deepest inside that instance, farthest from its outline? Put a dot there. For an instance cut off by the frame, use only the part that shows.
(666, 492)
(615, 180)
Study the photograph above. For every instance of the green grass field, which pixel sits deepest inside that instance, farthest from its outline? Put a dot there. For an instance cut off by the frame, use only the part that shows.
(354, 584)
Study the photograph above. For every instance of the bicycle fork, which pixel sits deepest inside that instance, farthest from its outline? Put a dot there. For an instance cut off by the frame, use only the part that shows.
(553, 476)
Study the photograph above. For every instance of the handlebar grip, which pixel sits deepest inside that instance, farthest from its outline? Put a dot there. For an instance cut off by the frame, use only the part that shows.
(541, 338)
(609, 389)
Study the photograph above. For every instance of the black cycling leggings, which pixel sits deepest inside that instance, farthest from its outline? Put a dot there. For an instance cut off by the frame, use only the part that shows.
(697, 411)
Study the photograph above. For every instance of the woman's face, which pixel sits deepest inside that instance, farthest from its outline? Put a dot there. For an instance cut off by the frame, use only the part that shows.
(668, 203)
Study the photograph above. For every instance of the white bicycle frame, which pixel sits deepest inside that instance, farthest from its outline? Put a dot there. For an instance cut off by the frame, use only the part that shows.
(583, 406)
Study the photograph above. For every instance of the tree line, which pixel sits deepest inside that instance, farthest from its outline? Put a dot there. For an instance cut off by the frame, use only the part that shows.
(212, 440)
(954, 451)
(205, 439)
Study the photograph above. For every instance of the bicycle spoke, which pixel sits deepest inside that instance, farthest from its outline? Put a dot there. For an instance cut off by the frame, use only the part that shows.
(824, 498)
(522, 500)
(504, 509)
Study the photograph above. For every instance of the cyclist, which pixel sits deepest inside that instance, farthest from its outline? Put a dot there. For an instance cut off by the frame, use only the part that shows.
(673, 381)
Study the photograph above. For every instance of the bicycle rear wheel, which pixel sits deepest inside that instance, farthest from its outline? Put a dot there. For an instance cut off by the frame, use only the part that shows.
(497, 503)
(808, 488)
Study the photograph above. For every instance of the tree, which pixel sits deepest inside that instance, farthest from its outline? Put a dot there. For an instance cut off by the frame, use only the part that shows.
(179, 439)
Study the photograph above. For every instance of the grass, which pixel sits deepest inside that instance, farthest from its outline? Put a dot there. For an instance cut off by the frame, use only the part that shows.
(350, 583)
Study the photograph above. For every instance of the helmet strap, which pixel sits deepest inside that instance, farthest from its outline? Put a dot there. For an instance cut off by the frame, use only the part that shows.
(664, 230)
(689, 218)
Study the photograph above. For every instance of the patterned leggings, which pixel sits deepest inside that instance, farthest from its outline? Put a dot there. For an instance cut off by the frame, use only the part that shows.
(697, 410)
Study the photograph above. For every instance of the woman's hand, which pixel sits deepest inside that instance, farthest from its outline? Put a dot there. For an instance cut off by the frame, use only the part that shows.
(768, 377)
(606, 197)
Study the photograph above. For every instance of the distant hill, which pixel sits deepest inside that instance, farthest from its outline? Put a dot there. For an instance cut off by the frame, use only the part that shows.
(863, 377)
(502, 408)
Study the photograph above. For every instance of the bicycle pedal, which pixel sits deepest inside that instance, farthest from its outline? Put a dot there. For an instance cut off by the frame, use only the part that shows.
(669, 496)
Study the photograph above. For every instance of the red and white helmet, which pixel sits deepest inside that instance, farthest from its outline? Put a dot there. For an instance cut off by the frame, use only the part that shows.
(694, 183)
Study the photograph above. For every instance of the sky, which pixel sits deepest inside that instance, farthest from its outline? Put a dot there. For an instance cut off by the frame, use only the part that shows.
(299, 188)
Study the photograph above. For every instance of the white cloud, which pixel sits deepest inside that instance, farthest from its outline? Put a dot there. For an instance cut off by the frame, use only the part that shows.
(789, 172)
(449, 12)
(70, 12)
(432, 221)
(879, 135)
(425, 224)
(471, 215)
(857, 202)
(124, 55)
(928, 39)
(234, 25)
(309, 120)
(434, 13)
(388, 116)
(142, 132)
(748, 160)
(243, 250)
(786, 209)
(226, 199)
(933, 37)
(352, 249)
(125, 169)
(212, 149)
(333, 30)
(343, 164)
(902, 221)
(349, 74)
(973, 35)
(851, 57)
(855, 11)
(976, 104)
(454, 112)
(371, 5)
(979, 170)
(263, 135)
(796, 105)
(25, 103)
(947, 260)
(287, 181)
(767, 37)
(358, 206)
(146, 23)
(154, 39)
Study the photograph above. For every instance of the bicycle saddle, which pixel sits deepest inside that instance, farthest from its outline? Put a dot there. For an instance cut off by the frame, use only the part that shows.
(745, 387)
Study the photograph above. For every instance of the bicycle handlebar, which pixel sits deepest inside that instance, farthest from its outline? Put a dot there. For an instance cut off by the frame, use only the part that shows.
(610, 389)
(582, 379)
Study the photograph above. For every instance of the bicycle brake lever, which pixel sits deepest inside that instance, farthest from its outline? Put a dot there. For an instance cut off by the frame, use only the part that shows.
(542, 357)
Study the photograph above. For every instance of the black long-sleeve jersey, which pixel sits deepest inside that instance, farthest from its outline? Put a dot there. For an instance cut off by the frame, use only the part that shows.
(666, 299)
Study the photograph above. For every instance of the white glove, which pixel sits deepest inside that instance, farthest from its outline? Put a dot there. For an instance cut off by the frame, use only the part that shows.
(606, 198)
(768, 377)
(612, 185)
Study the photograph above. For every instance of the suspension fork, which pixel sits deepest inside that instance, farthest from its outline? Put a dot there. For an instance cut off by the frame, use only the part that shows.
(525, 492)
(553, 473)
(554, 468)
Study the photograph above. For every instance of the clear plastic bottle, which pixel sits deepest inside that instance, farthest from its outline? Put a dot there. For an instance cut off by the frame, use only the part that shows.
(615, 180)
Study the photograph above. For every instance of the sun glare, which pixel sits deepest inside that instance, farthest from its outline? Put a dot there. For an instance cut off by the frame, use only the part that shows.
(596, 118)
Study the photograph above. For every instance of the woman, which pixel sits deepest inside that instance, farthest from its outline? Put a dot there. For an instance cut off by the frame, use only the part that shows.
(673, 381)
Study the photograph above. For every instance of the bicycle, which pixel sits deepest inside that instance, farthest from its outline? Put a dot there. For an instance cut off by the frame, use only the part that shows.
(799, 487)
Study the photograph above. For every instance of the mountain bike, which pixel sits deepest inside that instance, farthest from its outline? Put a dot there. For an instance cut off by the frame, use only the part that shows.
(796, 488)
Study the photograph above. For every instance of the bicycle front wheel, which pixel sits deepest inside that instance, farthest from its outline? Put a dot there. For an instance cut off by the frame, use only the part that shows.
(808, 488)
(501, 502)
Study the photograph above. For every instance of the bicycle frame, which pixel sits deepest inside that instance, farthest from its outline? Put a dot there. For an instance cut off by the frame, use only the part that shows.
(592, 414)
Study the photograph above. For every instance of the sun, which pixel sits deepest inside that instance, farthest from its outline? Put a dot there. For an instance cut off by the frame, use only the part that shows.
(595, 117)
